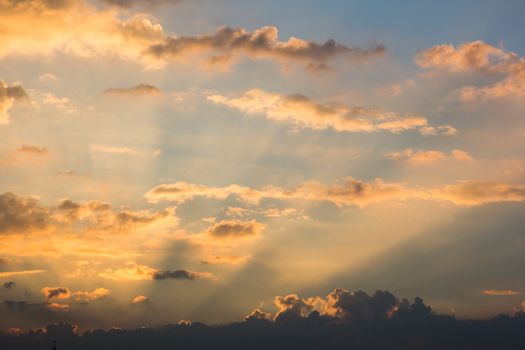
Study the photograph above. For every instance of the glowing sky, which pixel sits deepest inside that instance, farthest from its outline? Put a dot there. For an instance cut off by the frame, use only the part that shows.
(165, 160)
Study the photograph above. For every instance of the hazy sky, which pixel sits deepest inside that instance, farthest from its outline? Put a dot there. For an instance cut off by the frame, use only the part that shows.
(165, 160)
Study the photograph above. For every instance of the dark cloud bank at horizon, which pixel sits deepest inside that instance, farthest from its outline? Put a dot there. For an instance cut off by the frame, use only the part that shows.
(347, 321)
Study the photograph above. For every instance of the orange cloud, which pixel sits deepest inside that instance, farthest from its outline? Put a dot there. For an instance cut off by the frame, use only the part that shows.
(304, 113)
(20, 273)
(502, 292)
(481, 57)
(428, 156)
(349, 191)
(140, 299)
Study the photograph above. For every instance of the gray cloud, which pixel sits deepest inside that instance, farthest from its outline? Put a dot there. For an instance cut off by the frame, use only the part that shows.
(262, 42)
(21, 214)
(9, 94)
(180, 275)
(137, 90)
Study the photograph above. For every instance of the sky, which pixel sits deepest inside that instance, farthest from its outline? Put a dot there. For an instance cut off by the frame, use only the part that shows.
(167, 160)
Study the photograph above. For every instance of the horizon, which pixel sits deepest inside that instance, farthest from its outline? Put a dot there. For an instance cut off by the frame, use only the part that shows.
(167, 160)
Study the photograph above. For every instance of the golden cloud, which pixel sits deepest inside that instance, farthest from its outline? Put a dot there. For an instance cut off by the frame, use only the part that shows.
(348, 192)
(482, 57)
(303, 112)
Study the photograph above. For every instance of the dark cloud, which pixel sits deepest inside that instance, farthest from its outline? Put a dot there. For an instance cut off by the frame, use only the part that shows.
(137, 90)
(262, 42)
(21, 214)
(13, 304)
(9, 94)
(179, 275)
(359, 305)
(412, 326)
(235, 229)
(9, 285)
(57, 292)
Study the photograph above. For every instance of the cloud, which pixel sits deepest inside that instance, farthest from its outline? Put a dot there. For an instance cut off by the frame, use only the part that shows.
(137, 272)
(143, 3)
(48, 78)
(469, 193)
(225, 259)
(21, 214)
(63, 293)
(180, 275)
(79, 28)
(113, 150)
(235, 229)
(292, 306)
(347, 192)
(75, 27)
(96, 216)
(8, 95)
(56, 293)
(481, 57)
(359, 305)
(228, 43)
(9, 285)
(86, 296)
(258, 315)
(500, 292)
(33, 150)
(428, 156)
(132, 272)
(135, 91)
(140, 299)
(303, 112)
(19, 273)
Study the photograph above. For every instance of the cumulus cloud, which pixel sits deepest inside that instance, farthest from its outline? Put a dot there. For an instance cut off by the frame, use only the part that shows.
(482, 57)
(21, 214)
(428, 156)
(180, 275)
(135, 91)
(74, 27)
(77, 27)
(303, 112)
(292, 306)
(96, 216)
(235, 229)
(348, 192)
(344, 304)
(359, 305)
(500, 292)
(258, 315)
(8, 95)
(227, 43)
